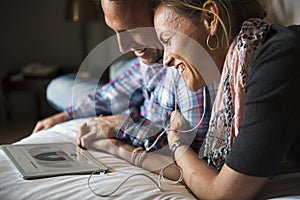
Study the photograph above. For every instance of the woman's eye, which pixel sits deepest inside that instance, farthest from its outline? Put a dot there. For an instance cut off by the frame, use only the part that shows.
(166, 40)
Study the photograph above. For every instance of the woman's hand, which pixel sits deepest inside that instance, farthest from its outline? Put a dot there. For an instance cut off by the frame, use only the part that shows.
(103, 127)
(50, 121)
(179, 129)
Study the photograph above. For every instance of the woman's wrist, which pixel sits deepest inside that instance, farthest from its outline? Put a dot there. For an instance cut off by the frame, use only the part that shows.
(172, 137)
(175, 147)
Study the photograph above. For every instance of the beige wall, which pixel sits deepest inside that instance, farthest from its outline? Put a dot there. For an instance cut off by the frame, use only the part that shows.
(285, 12)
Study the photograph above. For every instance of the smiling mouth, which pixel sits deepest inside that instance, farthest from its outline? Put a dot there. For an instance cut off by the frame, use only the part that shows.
(181, 68)
(139, 51)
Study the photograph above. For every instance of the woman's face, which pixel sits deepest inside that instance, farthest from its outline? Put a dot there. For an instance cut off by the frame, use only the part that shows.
(182, 40)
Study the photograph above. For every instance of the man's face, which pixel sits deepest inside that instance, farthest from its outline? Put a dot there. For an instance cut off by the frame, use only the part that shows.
(131, 19)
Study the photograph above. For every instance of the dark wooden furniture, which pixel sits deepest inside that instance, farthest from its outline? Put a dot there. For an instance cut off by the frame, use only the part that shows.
(16, 82)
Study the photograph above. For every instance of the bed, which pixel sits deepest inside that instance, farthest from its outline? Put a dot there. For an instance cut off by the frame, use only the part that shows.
(13, 187)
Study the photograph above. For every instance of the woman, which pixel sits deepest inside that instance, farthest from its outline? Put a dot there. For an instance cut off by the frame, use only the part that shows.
(253, 126)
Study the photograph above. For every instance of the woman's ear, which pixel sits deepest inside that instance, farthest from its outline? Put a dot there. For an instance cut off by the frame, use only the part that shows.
(210, 16)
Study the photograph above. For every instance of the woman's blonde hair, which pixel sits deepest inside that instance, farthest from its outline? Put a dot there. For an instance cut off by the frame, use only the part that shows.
(235, 12)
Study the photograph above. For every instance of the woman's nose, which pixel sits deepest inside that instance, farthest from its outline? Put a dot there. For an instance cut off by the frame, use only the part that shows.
(168, 60)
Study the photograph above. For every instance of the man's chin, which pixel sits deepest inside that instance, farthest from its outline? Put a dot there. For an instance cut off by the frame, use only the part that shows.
(150, 56)
(147, 61)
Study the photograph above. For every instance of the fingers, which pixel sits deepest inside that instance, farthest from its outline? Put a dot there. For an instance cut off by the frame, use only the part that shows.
(81, 133)
(85, 141)
(88, 133)
(175, 113)
(175, 116)
(105, 127)
(96, 129)
(180, 128)
(38, 127)
(84, 136)
(83, 130)
(50, 121)
(178, 121)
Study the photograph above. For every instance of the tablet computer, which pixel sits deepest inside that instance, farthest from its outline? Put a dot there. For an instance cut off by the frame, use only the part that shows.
(51, 159)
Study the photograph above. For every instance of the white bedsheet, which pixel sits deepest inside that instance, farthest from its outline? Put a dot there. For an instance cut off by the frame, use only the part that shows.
(13, 187)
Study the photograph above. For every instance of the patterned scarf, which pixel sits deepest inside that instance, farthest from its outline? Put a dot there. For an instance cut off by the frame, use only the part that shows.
(228, 108)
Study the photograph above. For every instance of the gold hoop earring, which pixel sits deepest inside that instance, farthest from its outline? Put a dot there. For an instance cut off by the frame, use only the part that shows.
(208, 45)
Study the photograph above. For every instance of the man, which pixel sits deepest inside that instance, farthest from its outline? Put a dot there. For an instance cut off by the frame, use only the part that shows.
(138, 129)
(152, 56)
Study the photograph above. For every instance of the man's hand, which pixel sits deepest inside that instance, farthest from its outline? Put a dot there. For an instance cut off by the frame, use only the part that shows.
(104, 127)
(50, 121)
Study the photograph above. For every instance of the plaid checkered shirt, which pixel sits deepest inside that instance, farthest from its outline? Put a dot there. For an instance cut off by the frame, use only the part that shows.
(149, 93)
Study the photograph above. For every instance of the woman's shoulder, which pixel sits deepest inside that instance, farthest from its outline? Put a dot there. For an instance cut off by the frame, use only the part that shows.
(281, 43)
(278, 58)
(288, 35)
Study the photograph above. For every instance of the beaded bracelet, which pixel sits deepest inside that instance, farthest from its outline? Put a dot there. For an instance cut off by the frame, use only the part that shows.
(141, 158)
(134, 154)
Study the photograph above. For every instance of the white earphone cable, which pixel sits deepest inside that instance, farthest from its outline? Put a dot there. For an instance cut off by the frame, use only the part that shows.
(148, 148)
(161, 174)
